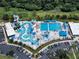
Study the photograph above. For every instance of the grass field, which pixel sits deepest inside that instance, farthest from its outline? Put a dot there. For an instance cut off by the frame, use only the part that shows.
(29, 14)
(5, 57)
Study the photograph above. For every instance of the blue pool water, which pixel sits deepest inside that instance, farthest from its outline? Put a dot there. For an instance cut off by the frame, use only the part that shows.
(25, 34)
(44, 26)
(50, 26)
(54, 26)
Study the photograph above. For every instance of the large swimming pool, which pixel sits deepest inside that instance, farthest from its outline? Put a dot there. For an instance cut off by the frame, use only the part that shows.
(54, 26)
(50, 26)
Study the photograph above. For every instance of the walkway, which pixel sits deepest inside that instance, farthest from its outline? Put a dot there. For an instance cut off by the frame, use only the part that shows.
(5, 35)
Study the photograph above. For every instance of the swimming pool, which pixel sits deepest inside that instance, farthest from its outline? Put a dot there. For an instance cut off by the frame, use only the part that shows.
(54, 26)
(50, 26)
(25, 34)
(44, 26)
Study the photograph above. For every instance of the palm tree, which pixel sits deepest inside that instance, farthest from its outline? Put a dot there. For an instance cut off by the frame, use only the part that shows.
(11, 52)
(62, 54)
(73, 46)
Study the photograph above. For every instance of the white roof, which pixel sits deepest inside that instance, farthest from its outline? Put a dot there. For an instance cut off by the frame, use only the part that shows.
(74, 28)
(9, 29)
(8, 25)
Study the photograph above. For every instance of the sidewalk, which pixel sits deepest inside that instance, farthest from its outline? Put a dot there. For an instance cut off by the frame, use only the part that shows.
(4, 34)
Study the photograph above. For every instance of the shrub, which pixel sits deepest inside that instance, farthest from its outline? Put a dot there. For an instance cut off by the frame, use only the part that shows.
(10, 41)
(52, 17)
(15, 42)
(15, 28)
(28, 19)
(11, 53)
(47, 17)
(20, 43)
(57, 16)
(11, 18)
(5, 17)
(70, 17)
(64, 17)
(75, 17)
(37, 17)
(24, 45)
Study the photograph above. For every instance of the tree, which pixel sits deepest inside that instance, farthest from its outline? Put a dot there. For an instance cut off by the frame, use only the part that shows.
(73, 46)
(5, 17)
(61, 54)
(10, 40)
(6, 5)
(10, 53)
(48, 7)
(77, 6)
(57, 16)
(75, 17)
(64, 17)
(38, 18)
(31, 7)
(40, 4)
(24, 45)
(67, 8)
(70, 17)
(20, 43)
(15, 42)
(13, 3)
(47, 17)
(11, 18)
(7, 8)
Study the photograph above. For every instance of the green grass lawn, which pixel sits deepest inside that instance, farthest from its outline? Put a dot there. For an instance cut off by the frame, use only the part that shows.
(5, 57)
(29, 14)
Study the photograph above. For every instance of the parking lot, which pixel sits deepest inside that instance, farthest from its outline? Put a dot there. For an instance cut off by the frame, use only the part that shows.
(18, 52)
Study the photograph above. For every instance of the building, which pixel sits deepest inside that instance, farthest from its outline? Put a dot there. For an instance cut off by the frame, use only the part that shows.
(9, 30)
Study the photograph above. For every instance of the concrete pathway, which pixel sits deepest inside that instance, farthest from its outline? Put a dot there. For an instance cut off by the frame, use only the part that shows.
(5, 35)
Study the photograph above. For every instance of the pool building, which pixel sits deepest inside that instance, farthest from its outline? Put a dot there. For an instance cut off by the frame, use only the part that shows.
(36, 33)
